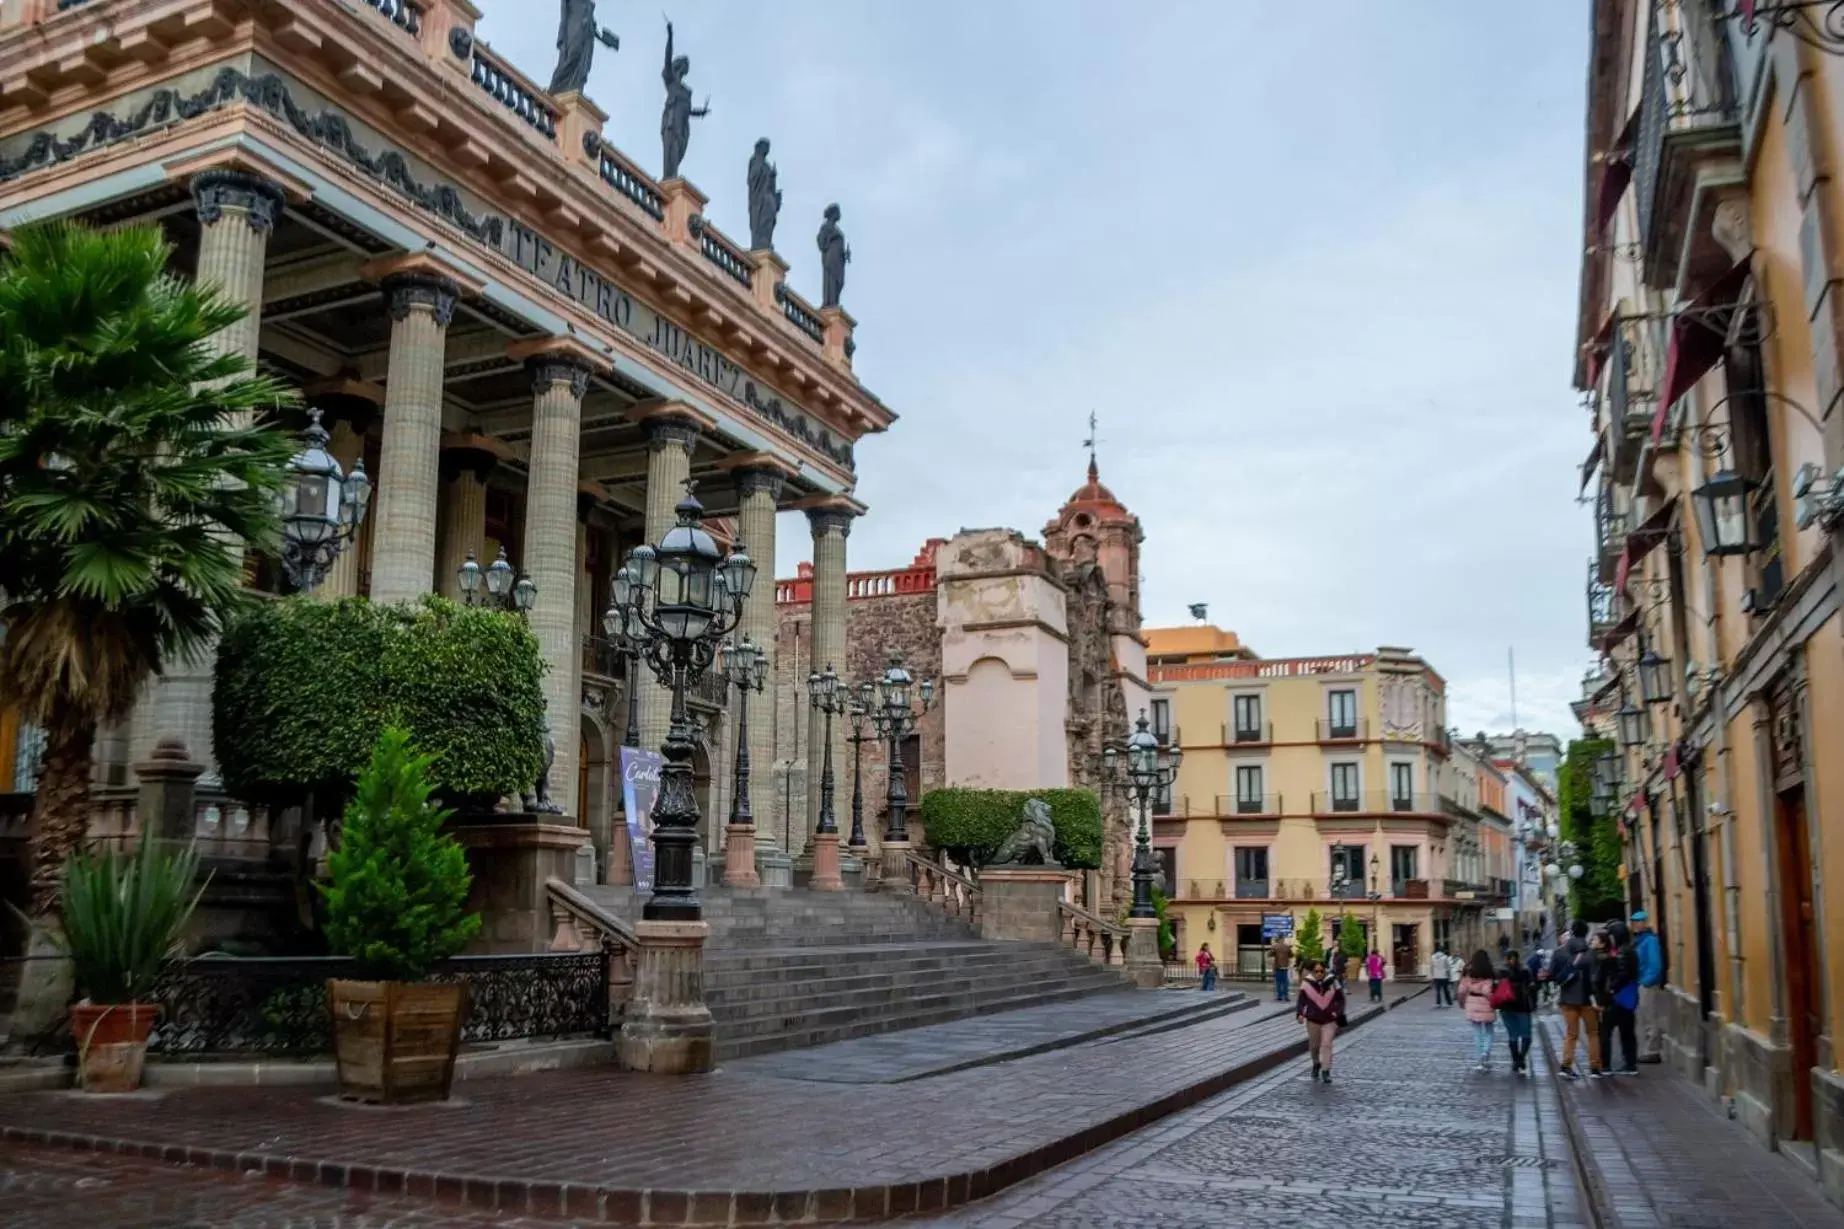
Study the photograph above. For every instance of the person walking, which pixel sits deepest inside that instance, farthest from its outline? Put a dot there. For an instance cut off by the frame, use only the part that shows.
(1650, 954)
(1374, 969)
(1321, 1008)
(1475, 994)
(1538, 968)
(1516, 999)
(1206, 968)
(1440, 970)
(1571, 971)
(1280, 955)
(1616, 993)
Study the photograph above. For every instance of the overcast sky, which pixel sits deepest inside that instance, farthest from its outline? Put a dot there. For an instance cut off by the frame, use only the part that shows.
(1314, 267)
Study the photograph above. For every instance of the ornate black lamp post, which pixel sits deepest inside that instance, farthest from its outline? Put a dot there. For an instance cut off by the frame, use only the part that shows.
(863, 731)
(1149, 771)
(502, 589)
(322, 508)
(686, 598)
(744, 668)
(830, 700)
(895, 716)
(629, 640)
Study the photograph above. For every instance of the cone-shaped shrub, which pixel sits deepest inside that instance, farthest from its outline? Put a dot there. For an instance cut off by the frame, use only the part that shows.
(397, 884)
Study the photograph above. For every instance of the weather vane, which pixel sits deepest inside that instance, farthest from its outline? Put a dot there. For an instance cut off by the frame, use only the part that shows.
(1093, 438)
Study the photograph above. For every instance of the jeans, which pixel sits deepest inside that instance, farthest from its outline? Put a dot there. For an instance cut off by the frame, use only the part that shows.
(1443, 992)
(1482, 1039)
(1210, 978)
(1620, 1019)
(1573, 1017)
(1376, 989)
(1517, 1036)
(1280, 986)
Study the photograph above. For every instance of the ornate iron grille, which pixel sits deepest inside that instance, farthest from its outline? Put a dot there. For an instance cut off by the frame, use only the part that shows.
(278, 1005)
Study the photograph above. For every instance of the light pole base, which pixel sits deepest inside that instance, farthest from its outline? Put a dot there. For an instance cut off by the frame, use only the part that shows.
(740, 856)
(895, 876)
(826, 863)
(1143, 962)
(667, 1027)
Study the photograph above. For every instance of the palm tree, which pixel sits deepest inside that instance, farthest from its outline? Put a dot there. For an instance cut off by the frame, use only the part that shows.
(133, 475)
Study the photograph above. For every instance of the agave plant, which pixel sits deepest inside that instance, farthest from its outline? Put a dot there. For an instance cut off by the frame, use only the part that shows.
(123, 915)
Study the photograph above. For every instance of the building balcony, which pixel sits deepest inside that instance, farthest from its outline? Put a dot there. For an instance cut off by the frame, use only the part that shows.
(1603, 608)
(1236, 804)
(1689, 117)
(1251, 889)
(1255, 735)
(1355, 730)
(1635, 368)
(1376, 802)
(1202, 889)
(1347, 889)
(1409, 889)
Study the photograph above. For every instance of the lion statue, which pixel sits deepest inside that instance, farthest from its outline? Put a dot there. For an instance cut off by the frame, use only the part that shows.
(1035, 835)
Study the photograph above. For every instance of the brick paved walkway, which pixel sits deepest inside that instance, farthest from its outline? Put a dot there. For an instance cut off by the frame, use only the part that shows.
(730, 1147)
(1408, 1135)
(1658, 1153)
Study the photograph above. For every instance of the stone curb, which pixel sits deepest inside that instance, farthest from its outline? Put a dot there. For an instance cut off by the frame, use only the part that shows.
(1595, 1197)
(649, 1207)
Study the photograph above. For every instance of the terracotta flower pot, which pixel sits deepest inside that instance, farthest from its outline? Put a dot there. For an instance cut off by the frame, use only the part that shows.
(395, 1042)
(111, 1043)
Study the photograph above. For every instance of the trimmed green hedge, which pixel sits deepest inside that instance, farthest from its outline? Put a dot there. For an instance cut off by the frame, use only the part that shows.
(304, 688)
(969, 825)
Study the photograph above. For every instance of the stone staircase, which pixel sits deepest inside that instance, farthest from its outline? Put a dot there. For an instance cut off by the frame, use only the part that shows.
(785, 969)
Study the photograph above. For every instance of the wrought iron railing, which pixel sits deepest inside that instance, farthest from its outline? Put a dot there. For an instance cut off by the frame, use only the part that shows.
(278, 1005)
(601, 657)
(501, 82)
(1249, 804)
(800, 313)
(1603, 607)
(1260, 732)
(1353, 729)
(1100, 940)
(1251, 889)
(1688, 84)
(721, 252)
(582, 925)
(947, 889)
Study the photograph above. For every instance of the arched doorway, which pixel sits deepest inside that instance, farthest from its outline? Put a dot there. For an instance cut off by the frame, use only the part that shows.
(594, 790)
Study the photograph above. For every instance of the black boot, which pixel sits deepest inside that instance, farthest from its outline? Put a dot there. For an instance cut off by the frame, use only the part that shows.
(1315, 1069)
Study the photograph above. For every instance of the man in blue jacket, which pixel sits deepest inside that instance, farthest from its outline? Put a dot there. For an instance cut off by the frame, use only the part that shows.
(1651, 956)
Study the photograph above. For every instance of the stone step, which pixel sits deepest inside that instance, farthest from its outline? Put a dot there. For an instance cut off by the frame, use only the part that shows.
(773, 1000)
(910, 1010)
(751, 987)
(836, 954)
(799, 1035)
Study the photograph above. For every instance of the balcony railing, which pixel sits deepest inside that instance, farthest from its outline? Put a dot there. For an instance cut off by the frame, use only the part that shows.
(1603, 608)
(1346, 889)
(600, 657)
(1260, 732)
(514, 92)
(1251, 889)
(629, 180)
(1409, 889)
(1356, 729)
(1203, 889)
(403, 14)
(1239, 804)
(721, 252)
(1376, 802)
(800, 313)
(1688, 97)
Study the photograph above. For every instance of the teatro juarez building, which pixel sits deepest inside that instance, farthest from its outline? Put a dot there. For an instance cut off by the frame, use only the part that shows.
(531, 342)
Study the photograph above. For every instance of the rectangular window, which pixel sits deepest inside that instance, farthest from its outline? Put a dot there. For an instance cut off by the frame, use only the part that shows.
(1162, 720)
(1344, 787)
(1341, 714)
(1404, 865)
(1402, 787)
(1248, 719)
(1347, 871)
(1248, 789)
(1251, 864)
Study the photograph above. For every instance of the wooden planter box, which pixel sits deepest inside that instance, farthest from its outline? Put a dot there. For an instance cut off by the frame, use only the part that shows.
(395, 1042)
(111, 1044)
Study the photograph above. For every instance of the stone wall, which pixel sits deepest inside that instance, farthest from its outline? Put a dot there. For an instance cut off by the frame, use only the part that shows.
(874, 627)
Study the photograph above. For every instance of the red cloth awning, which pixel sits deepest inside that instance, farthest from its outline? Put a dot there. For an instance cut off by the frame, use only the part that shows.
(1620, 631)
(1616, 173)
(1592, 463)
(1640, 542)
(1696, 343)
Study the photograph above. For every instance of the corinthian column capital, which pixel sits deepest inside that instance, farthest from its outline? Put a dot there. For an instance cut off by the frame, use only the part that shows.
(257, 200)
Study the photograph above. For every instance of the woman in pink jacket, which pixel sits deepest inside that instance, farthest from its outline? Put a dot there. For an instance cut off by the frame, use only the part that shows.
(1475, 995)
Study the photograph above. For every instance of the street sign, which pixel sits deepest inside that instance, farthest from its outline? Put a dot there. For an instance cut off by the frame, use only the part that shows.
(1274, 924)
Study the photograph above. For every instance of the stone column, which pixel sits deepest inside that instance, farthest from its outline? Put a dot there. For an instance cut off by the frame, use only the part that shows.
(464, 516)
(667, 1026)
(760, 489)
(237, 213)
(347, 447)
(403, 533)
(669, 447)
(558, 384)
(830, 529)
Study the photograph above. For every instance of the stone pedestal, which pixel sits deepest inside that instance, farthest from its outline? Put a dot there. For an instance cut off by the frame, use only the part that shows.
(165, 806)
(667, 1027)
(681, 202)
(740, 856)
(851, 872)
(1143, 953)
(774, 868)
(826, 863)
(894, 877)
(1019, 903)
(577, 116)
(511, 861)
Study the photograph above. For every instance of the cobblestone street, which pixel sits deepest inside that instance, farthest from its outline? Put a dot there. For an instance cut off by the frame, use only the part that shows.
(1408, 1134)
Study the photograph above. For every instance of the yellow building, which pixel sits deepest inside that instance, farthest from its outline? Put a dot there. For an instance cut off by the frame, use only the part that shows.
(1710, 328)
(1321, 782)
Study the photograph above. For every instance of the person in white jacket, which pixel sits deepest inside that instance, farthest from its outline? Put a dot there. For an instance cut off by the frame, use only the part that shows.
(1440, 971)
